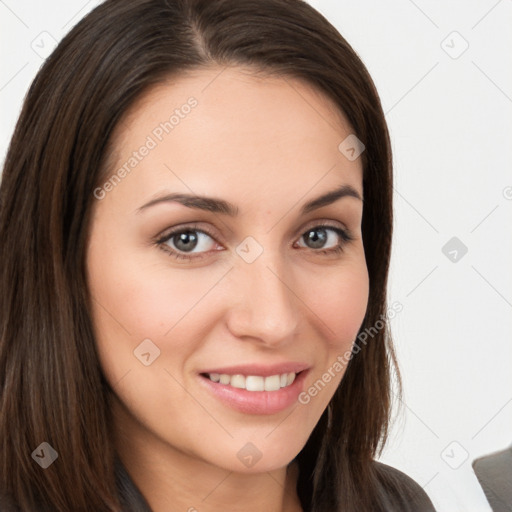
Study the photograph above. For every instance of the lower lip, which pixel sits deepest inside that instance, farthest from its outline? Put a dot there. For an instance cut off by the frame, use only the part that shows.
(257, 402)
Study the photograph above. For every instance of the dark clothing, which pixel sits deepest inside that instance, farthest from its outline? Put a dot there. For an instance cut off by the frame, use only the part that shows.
(402, 492)
(494, 472)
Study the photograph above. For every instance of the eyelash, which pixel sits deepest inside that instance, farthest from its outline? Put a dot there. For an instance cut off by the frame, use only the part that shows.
(345, 236)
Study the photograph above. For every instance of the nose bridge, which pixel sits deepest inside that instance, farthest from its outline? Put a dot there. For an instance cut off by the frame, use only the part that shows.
(266, 307)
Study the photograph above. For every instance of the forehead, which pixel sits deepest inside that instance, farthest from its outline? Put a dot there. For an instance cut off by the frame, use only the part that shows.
(235, 130)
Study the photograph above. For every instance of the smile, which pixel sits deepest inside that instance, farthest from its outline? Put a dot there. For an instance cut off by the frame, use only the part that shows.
(256, 389)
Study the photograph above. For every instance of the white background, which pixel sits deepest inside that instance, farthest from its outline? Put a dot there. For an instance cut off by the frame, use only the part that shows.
(449, 115)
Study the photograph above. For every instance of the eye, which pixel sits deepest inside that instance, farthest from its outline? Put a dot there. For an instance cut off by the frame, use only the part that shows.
(186, 243)
(325, 238)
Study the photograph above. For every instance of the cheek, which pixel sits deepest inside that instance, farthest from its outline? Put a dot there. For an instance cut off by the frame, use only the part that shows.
(149, 302)
(134, 301)
(348, 311)
(340, 298)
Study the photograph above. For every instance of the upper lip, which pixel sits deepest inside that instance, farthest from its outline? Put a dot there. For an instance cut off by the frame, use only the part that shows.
(263, 370)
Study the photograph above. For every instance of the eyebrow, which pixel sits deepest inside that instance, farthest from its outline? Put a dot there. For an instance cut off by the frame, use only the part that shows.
(215, 205)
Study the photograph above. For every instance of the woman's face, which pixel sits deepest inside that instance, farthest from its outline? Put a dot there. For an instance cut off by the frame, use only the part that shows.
(235, 283)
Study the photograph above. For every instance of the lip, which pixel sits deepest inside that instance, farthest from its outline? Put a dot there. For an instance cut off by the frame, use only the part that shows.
(260, 369)
(257, 402)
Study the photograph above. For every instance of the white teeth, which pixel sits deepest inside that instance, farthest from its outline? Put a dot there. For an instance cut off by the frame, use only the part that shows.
(238, 381)
(273, 383)
(254, 382)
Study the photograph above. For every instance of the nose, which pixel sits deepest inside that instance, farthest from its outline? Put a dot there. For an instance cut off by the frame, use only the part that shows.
(264, 307)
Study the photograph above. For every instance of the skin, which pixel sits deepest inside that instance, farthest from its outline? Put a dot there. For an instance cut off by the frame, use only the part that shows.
(268, 145)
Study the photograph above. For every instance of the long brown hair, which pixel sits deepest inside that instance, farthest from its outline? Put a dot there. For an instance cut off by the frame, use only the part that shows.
(51, 385)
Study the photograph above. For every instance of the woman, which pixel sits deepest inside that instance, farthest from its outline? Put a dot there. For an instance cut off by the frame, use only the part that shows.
(196, 221)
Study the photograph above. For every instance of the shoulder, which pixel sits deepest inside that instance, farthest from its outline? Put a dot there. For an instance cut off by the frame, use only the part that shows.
(401, 491)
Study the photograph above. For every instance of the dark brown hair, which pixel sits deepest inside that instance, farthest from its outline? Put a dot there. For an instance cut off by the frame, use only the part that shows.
(51, 385)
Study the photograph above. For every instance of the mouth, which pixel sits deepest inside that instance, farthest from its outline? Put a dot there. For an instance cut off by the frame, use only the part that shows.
(256, 389)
